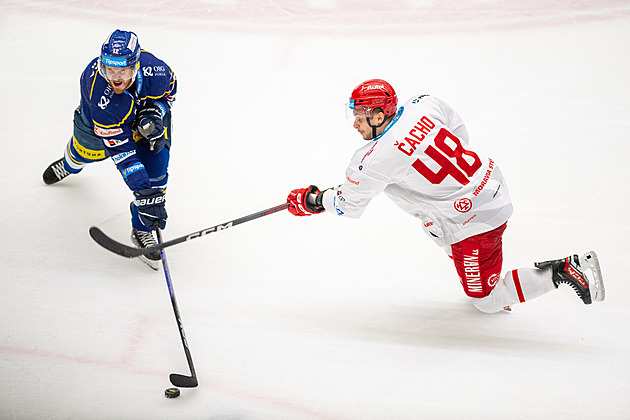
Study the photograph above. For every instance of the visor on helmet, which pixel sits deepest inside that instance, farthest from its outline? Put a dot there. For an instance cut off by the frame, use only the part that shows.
(117, 73)
(353, 112)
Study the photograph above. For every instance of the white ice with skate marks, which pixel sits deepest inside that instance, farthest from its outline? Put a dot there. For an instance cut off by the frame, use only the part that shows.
(319, 317)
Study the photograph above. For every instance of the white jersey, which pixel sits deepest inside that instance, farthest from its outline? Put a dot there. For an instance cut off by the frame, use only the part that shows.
(422, 162)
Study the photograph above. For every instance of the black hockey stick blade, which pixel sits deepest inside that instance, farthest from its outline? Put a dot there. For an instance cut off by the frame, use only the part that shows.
(131, 252)
(114, 246)
(183, 381)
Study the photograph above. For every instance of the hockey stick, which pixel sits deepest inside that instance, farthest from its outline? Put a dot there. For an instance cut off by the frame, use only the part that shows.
(182, 381)
(131, 252)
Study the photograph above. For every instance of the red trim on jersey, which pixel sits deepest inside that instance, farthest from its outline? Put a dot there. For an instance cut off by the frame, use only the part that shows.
(517, 284)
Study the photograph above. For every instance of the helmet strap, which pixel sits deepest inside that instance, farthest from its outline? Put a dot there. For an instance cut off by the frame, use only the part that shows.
(374, 127)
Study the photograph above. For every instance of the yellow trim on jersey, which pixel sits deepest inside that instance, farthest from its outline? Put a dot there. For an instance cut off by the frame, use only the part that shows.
(93, 82)
(155, 97)
(118, 124)
(168, 92)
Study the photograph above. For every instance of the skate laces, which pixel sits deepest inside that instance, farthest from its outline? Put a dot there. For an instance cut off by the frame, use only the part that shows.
(60, 170)
(146, 239)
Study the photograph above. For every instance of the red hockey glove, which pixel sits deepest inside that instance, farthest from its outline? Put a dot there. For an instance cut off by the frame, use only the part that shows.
(298, 202)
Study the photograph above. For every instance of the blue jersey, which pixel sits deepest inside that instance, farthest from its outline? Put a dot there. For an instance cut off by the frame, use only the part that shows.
(112, 115)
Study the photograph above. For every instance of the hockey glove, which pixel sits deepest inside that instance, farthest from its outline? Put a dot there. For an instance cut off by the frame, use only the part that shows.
(151, 207)
(299, 204)
(151, 127)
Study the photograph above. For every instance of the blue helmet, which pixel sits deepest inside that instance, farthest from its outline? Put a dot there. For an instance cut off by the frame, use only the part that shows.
(120, 49)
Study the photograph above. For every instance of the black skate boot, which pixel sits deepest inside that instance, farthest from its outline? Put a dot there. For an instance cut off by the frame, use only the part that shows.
(55, 172)
(572, 271)
(142, 240)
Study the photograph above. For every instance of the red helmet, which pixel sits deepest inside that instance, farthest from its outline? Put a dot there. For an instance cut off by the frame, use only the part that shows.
(374, 93)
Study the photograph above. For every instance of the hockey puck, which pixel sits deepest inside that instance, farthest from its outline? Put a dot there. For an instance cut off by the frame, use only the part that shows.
(171, 392)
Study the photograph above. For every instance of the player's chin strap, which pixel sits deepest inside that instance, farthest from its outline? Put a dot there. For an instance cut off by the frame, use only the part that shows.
(374, 127)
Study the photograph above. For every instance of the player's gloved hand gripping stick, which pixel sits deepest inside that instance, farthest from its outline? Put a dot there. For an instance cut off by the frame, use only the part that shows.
(151, 127)
(305, 201)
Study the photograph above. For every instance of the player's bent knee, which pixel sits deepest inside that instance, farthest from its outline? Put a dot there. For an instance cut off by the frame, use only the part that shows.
(498, 299)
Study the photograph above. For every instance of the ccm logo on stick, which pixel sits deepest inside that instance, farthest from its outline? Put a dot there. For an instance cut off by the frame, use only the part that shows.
(210, 230)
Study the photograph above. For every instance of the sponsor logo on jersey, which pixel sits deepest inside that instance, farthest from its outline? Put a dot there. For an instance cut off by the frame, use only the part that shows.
(114, 142)
(103, 102)
(415, 101)
(122, 156)
(130, 170)
(463, 206)
(107, 132)
(350, 180)
(154, 71)
(336, 198)
(485, 179)
(469, 219)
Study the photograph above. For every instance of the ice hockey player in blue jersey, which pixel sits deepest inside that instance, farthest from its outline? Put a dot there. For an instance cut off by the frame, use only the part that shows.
(125, 115)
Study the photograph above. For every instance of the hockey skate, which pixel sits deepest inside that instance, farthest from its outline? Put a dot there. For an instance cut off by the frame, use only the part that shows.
(55, 172)
(142, 240)
(582, 273)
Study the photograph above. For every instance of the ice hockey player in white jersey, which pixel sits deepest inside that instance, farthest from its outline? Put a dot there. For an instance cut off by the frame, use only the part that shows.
(419, 156)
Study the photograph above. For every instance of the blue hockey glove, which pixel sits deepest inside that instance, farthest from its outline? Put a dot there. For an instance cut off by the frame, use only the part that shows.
(151, 127)
(151, 207)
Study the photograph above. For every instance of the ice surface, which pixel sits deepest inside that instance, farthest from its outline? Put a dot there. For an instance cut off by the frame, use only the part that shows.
(314, 318)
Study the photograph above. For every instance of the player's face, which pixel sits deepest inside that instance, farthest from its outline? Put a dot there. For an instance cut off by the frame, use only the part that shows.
(120, 78)
(362, 126)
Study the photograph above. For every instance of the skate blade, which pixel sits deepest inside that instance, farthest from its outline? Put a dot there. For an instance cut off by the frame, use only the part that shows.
(590, 266)
(153, 264)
